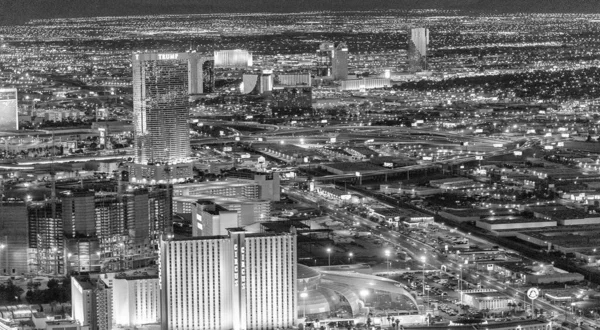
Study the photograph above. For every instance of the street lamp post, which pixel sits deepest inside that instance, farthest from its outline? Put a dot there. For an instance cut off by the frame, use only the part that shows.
(364, 294)
(304, 295)
(2, 246)
(423, 259)
(387, 259)
(329, 256)
(460, 284)
(350, 255)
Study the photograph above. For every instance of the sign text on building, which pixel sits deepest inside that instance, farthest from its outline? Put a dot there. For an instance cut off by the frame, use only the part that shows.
(168, 56)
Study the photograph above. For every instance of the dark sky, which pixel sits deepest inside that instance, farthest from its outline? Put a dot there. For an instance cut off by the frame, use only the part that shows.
(19, 11)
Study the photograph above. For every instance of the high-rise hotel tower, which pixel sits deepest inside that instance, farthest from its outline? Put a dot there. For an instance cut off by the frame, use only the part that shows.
(9, 116)
(239, 281)
(417, 49)
(162, 84)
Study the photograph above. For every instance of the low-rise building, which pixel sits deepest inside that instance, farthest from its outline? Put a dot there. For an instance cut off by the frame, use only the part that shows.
(415, 191)
(553, 278)
(451, 183)
(486, 299)
(518, 224)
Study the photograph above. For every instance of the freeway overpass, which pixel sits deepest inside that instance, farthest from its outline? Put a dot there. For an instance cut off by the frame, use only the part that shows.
(394, 171)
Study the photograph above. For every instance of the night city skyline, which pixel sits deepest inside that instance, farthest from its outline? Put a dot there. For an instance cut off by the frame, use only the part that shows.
(306, 165)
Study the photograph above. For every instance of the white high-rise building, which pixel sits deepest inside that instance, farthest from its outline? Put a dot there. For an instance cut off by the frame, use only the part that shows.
(240, 281)
(9, 116)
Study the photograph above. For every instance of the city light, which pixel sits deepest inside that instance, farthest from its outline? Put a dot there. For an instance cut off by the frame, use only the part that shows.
(220, 154)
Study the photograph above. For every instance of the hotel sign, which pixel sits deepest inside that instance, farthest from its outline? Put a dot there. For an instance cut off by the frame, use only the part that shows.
(168, 56)
(239, 266)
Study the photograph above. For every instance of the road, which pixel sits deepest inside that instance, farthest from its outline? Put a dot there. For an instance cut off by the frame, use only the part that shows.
(436, 260)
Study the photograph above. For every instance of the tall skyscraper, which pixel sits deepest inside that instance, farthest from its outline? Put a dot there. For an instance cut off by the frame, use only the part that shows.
(417, 49)
(332, 60)
(240, 281)
(9, 113)
(162, 84)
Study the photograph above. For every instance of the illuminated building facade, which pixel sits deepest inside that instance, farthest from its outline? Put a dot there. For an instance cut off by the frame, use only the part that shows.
(293, 79)
(136, 300)
(332, 60)
(9, 115)
(239, 281)
(417, 49)
(235, 58)
(162, 84)
(364, 84)
(246, 189)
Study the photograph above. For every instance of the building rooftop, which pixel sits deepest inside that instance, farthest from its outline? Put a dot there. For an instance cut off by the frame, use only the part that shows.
(354, 166)
(449, 180)
(487, 295)
(517, 220)
(283, 226)
(559, 212)
(225, 237)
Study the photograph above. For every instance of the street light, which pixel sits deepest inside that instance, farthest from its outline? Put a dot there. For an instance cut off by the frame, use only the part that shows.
(460, 284)
(423, 259)
(350, 255)
(2, 246)
(387, 257)
(364, 294)
(329, 256)
(304, 295)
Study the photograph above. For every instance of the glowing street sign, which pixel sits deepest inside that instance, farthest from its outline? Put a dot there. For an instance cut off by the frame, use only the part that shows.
(533, 293)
